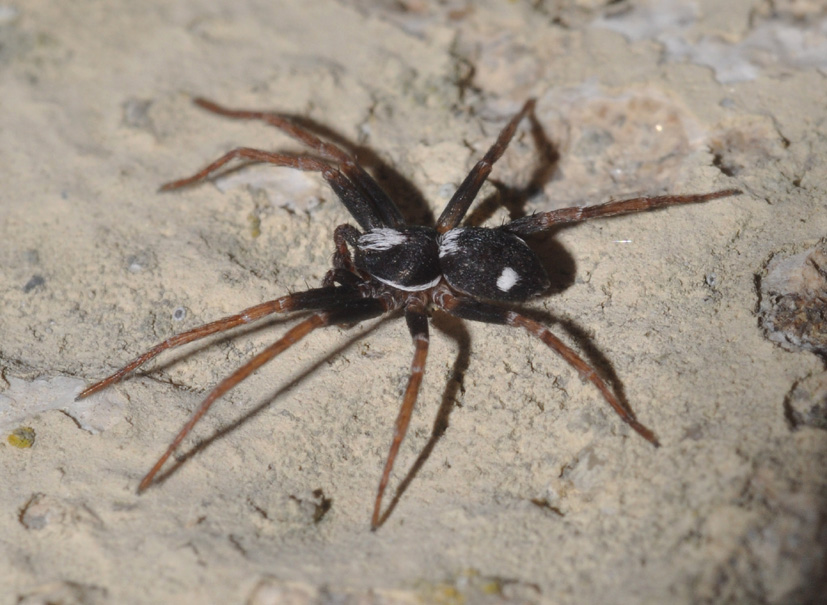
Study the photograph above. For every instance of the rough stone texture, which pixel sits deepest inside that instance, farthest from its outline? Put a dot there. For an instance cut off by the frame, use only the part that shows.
(806, 404)
(793, 307)
(535, 491)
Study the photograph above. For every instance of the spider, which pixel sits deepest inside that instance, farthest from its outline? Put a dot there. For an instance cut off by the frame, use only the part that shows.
(387, 264)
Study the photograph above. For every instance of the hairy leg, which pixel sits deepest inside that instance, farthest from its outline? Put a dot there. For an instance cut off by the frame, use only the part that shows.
(383, 207)
(418, 326)
(545, 220)
(489, 313)
(463, 197)
(355, 311)
(311, 299)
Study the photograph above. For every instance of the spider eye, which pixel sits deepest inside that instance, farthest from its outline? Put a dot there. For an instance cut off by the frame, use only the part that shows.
(490, 264)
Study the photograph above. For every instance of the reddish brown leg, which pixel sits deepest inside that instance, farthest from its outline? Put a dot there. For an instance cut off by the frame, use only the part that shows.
(546, 220)
(418, 326)
(488, 313)
(326, 150)
(257, 155)
(380, 204)
(312, 299)
(362, 208)
(463, 197)
(586, 372)
(352, 311)
(294, 335)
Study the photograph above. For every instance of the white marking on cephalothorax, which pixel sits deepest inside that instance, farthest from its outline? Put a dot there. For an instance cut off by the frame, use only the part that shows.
(381, 239)
(507, 279)
(448, 242)
(415, 288)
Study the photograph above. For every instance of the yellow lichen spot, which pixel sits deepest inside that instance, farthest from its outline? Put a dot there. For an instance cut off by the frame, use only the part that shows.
(255, 225)
(22, 437)
(441, 594)
(493, 587)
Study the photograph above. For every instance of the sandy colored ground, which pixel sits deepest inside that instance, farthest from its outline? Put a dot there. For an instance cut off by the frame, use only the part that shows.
(535, 492)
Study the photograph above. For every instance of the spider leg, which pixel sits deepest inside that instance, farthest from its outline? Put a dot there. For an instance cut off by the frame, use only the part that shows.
(311, 299)
(545, 220)
(348, 312)
(257, 155)
(359, 207)
(488, 313)
(381, 204)
(418, 325)
(463, 197)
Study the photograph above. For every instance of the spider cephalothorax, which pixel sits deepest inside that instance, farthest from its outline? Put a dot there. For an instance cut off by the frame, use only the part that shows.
(388, 265)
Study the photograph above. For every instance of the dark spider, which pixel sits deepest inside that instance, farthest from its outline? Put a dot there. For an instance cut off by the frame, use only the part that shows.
(463, 271)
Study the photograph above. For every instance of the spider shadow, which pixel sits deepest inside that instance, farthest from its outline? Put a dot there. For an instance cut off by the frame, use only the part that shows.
(185, 352)
(589, 350)
(448, 326)
(180, 459)
(456, 331)
(412, 203)
(512, 198)
(558, 263)
(556, 260)
(406, 196)
(417, 211)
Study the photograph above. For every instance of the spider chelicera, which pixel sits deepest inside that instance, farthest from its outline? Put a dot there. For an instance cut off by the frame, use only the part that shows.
(390, 265)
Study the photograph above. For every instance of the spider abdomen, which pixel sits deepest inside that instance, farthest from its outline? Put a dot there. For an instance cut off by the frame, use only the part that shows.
(490, 264)
(406, 258)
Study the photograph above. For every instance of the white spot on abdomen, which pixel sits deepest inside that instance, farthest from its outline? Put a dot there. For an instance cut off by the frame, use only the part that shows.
(507, 279)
